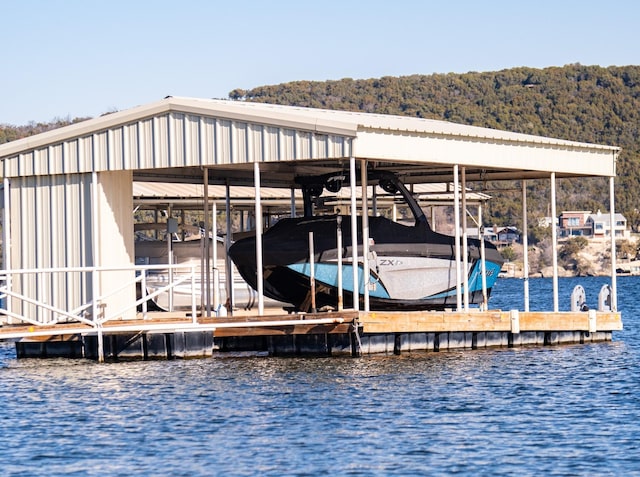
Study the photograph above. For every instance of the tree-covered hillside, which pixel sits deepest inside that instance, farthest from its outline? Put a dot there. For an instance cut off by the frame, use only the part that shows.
(575, 102)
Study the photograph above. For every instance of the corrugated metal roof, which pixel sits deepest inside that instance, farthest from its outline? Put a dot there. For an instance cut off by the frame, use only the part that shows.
(184, 132)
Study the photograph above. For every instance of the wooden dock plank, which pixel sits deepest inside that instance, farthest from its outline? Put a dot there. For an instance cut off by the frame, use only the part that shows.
(297, 329)
(436, 322)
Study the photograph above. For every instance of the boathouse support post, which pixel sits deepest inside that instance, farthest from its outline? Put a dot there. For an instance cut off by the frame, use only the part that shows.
(456, 214)
(554, 241)
(374, 201)
(483, 260)
(258, 215)
(465, 242)
(312, 274)
(293, 203)
(612, 220)
(95, 236)
(169, 231)
(214, 253)
(354, 232)
(228, 273)
(364, 189)
(339, 248)
(6, 240)
(205, 285)
(525, 246)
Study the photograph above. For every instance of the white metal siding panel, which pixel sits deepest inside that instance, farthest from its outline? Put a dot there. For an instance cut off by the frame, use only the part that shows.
(53, 164)
(222, 141)
(51, 227)
(240, 147)
(86, 153)
(145, 144)
(303, 145)
(69, 157)
(161, 142)
(207, 146)
(100, 151)
(287, 144)
(130, 137)
(176, 139)
(255, 145)
(271, 143)
(192, 143)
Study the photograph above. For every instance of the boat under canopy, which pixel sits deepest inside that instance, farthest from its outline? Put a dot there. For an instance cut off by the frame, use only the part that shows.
(411, 267)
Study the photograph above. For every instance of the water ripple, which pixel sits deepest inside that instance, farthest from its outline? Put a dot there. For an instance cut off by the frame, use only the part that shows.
(559, 410)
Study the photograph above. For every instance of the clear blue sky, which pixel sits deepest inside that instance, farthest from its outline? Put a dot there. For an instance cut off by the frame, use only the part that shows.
(73, 58)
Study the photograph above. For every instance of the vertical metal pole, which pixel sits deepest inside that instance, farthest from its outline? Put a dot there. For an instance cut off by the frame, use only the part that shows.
(614, 290)
(143, 293)
(194, 316)
(258, 214)
(554, 242)
(293, 202)
(214, 250)
(433, 218)
(394, 212)
(206, 283)
(312, 274)
(525, 246)
(339, 249)
(6, 240)
(94, 272)
(364, 188)
(483, 260)
(170, 256)
(374, 201)
(465, 241)
(228, 272)
(456, 207)
(354, 233)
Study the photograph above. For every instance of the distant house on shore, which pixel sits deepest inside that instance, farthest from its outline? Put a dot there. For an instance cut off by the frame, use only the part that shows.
(500, 236)
(573, 223)
(600, 225)
(583, 223)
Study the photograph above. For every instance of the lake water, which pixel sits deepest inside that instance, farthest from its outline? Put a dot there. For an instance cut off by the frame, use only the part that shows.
(555, 410)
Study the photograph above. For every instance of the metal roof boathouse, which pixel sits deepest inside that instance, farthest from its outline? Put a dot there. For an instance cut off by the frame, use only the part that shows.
(68, 225)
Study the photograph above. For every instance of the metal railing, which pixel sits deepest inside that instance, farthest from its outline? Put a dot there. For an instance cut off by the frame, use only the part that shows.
(16, 296)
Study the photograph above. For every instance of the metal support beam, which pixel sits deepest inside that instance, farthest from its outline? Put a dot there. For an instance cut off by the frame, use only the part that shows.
(456, 213)
(614, 291)
(364, 188)
(227, 244)
(525, 246)
(206, 283)
(465, 241)
(258, 219)
(483, 258)
(6, 240)
(95, 232)
(354, 232)
(554, 241)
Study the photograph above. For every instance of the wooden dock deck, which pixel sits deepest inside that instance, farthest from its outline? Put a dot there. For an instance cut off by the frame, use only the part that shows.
(171, 335)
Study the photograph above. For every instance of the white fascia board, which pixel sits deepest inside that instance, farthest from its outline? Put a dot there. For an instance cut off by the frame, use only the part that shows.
(566, 158)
